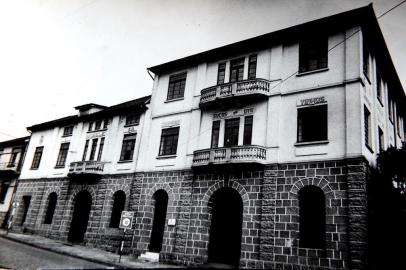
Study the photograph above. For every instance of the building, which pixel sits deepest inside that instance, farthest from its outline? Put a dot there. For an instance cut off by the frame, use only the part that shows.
(12, 154)
(255, 154)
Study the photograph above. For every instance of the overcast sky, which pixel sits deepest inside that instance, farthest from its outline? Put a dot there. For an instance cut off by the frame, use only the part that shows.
(57, 54)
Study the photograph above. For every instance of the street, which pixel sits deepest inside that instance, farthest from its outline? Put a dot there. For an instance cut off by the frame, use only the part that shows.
(19, 256)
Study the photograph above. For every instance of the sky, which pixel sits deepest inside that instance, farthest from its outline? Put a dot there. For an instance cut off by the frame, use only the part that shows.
(58, 54)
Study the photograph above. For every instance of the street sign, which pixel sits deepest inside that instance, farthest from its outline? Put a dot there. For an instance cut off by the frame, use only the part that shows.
(126, 220)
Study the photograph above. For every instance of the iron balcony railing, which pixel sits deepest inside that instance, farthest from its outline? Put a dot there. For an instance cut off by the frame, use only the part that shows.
(241, 88)
(86, 167)
(235, 154)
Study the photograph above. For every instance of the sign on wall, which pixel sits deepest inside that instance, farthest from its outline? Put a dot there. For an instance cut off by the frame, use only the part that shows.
(234, 113)
(126, 220)
(311, 101)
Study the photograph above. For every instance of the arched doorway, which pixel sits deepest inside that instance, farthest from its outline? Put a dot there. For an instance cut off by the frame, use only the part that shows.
(160, 200)
(226, 226)
(80, 217)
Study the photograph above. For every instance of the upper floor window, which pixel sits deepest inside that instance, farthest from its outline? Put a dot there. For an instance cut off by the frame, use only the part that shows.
(169, 141)
(93, 149)
(67, 131)
(98, 125)
(101, 146)
(132, 119)
(312, 123)
(365, 60)
(252, 67)
(215, 132)
(63, 153)
(176, 87)
(390, 109)
(237, 70)
(367, 128)
(221, 73)
(231, 131)
(247, 129)
(313, 55)
(37, 157)
(379, 86)
(85, 150)
(127, 149)
(13, 157)
(381, 139)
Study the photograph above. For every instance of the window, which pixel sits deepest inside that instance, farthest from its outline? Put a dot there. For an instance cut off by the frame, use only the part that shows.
(97, 125)
(37, 157)
(101, 146)
(63, 153)
(312, 123)
(67, 131)
(231, 132)
(312, 55)
(379, 86)
(132, 119)
(237, 70)
(105, 123)
(312, 217)
(85, 150)
(90, 126)
(177, 85)
(252, 67)
(127, 150)
(13, 157)
(52, 199)
(365, 60)
(381, 139)
(3, 190)
(169, 141)
(221, 74)
(390, 109)
(118, 207)
(367, 128)
(215, 132)
(247, 130)
(93, 149)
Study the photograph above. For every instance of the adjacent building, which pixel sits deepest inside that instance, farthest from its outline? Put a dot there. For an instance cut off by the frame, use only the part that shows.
(12, 154)
(255, 154)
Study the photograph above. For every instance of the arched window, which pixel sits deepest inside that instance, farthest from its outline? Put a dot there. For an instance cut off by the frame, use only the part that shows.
(52, 198)
(118, 207)
(312, 217)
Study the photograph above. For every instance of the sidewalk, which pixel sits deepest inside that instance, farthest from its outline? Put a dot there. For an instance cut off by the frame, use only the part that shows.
(82, 252)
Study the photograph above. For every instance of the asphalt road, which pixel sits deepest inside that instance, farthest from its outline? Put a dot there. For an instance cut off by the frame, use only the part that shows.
(19, 256)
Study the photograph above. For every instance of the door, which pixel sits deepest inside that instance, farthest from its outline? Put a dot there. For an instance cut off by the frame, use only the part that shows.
(225, 229)
(231, 130)
(80, 217)
(160, 199)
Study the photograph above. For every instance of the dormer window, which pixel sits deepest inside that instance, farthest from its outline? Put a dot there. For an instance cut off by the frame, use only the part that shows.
(132, 119)
(98, 125)
(313, 55)
(67, 131)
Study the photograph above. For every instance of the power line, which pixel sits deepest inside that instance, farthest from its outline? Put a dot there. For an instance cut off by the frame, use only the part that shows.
(383, 14)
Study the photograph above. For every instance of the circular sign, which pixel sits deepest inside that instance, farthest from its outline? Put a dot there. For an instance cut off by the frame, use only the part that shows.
(126, 222)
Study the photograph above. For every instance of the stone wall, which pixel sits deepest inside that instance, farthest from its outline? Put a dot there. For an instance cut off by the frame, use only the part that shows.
(270, 224)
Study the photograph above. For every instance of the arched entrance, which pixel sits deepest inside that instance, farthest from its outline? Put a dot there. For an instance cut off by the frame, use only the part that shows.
(80, 217)
(160, 200)
(226, 224)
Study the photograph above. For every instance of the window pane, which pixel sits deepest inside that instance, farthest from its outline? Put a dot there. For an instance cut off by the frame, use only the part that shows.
(127, 149)
(237, 70)
(37, 157)
(63, 152)
(313, 55)
(312, 124)
(252, 67)
(93, 149)
(367, 127)
(221, 73)
(215, 132)
(176, 86)
(169, 141)
(85, 150)
(248, 130)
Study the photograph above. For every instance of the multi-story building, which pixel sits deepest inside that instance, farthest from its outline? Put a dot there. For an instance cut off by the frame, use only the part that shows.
(12, 154)
(255, 154)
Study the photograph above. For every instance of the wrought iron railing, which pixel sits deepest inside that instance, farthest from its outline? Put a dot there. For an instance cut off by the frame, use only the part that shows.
(241, 88)
(235, 154)
(93, 167)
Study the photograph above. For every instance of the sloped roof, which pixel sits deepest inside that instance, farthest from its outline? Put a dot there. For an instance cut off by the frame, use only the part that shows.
(15, 142)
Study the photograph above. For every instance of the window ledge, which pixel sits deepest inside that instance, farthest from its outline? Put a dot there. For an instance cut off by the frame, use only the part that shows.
(174, 99)
(311, 143)
(369, 148)
(131, 125)
(64, 136)
(33, 169)
(59, 167)
(311, 72)
(166, 156)
(99, 130)
(125, 161)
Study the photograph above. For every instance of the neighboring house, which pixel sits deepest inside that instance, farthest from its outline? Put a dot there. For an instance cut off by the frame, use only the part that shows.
(12, 154)
(255, 154)
(79, 162)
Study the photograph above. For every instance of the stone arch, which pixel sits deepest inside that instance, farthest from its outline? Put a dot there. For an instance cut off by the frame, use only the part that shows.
(232, 184)
(162, 186)
(320, 182)
(72, 197)
(113, 190)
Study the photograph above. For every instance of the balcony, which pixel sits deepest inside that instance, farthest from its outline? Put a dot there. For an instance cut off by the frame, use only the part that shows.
(87, 168)
(227, 155)
(242, 91)
(8, 169)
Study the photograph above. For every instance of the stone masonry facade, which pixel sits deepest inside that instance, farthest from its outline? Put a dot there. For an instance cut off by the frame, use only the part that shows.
(270, 223)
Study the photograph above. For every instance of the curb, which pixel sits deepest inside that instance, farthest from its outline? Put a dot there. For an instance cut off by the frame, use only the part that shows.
(65, 253)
